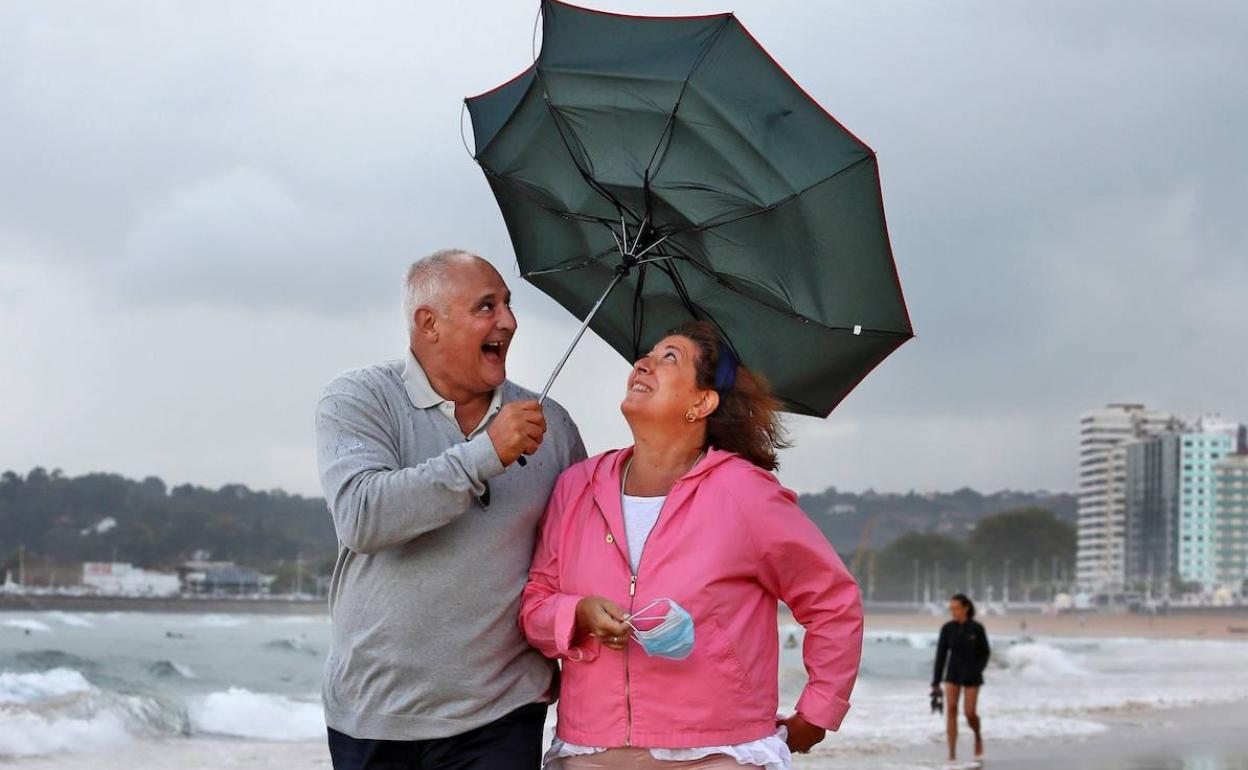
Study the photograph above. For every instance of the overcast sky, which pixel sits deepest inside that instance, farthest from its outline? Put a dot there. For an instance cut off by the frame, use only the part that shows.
(205, 209)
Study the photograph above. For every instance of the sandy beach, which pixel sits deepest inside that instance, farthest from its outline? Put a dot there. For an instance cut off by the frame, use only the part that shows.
(1194, 625)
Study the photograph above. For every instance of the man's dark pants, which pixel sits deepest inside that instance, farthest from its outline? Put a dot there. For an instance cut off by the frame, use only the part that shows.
(513, 742)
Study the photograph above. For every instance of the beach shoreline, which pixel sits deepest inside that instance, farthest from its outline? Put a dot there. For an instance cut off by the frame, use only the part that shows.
(29, 602)
(1196, 623)
(1188, 625)
(1149, 739)
(1069, 691)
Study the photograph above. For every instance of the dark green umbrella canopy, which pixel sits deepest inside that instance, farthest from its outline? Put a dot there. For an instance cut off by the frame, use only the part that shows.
(675, 155)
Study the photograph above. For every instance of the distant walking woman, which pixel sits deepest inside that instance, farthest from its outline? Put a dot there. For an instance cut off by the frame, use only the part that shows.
(961, 655)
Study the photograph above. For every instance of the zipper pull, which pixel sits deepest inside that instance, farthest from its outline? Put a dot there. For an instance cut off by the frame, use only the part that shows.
(632, 585)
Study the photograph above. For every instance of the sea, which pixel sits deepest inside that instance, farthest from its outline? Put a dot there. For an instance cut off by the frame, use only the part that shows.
(86, 686)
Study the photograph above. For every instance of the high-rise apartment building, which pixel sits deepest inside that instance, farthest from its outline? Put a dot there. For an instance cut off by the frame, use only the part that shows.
(1209, 441)
(1171, 531)
(1230, 510)
(1153, 490)
(1102, 527)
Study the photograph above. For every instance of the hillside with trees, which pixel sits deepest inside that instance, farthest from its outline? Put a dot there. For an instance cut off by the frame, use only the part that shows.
(897, 544)
(873, 520)
(61, 521)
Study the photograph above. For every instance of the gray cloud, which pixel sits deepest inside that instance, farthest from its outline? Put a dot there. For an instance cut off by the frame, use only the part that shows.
(205, 209)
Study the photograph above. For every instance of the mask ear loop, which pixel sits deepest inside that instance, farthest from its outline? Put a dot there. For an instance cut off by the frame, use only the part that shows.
(639, 616)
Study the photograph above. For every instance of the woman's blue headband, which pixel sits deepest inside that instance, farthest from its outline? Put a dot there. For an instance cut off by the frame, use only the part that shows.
(726, 370)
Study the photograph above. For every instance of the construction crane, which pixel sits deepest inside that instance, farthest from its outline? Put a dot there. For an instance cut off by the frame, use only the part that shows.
(863, 537)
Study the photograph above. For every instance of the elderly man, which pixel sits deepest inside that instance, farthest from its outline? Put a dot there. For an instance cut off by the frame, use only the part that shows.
(436, 527)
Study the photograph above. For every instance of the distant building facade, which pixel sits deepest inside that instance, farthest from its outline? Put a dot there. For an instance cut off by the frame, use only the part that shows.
(119, 579)
(1230, 506)
(218, 578)
(1100, 562)
(1171, 482)
(1197, 546)
(1152, 504)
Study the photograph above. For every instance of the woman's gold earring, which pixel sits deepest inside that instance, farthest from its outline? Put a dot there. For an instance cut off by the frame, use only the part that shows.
(690, 416)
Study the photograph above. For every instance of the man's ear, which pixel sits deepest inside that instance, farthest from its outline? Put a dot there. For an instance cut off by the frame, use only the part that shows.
(709, 402)
(426, 324)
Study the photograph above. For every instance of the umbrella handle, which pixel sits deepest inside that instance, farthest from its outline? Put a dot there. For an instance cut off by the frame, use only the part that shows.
(619, 275)
(579, 333)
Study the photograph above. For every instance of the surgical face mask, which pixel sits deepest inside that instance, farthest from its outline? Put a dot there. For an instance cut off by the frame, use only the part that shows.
(671, 637)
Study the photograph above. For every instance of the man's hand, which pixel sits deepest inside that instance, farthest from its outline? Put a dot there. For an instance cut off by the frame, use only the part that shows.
(517, 429)
(603, 618)
(802, 734)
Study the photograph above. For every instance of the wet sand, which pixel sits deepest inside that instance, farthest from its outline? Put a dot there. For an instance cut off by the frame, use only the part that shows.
(1203, 738)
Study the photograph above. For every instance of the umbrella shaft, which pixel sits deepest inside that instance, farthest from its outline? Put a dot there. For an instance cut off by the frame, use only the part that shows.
(580, 333)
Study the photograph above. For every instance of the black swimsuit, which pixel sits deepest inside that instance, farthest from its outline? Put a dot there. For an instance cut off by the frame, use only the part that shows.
(961, 654)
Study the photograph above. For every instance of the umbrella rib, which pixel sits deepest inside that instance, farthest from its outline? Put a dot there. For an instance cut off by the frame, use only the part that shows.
(861, 332)
(524, 191)
(585, 175)
(695, 310)
(639, 313)
(777, 205)
(683, 292)
(566, 267)
(669, 126)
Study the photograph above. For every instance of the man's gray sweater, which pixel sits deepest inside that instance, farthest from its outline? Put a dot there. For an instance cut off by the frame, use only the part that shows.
(425, 597)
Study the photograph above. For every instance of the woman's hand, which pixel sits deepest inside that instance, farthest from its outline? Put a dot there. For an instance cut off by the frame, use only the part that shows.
(802, 734)
(600, 617)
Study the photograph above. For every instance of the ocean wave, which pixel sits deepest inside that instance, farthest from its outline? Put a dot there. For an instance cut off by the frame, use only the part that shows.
(26, 625)
(71, 619)
(242, 713)
(59, 710)
(1037, 660)
(44, 660)
(792, 633)
(28, 734)
(291, 644)
(914, 640)
(38, 686)
(168, 668)
(215, 621)
(296, 620)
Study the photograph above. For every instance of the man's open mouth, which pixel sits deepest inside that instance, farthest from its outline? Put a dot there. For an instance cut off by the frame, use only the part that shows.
(494, 351)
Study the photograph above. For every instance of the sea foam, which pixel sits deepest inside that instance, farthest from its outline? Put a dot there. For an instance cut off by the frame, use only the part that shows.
(245, 714)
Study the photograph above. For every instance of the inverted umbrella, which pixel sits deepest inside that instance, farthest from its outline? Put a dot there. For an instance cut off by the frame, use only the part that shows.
(656, 170)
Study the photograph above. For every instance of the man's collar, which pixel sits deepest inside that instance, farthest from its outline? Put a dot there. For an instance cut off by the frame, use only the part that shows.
(423, 396)
(419, 391)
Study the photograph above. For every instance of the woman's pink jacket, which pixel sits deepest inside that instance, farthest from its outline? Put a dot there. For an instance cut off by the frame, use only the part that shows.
(729, 542)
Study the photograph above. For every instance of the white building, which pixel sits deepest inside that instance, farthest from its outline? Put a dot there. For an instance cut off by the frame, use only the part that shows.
(119, 579)
(1100, 560)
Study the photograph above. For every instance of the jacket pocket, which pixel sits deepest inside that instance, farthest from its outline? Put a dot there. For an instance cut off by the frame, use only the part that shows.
(723, 656)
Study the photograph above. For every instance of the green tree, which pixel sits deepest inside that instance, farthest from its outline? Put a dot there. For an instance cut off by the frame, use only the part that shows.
(917, 560)
(1026, 541)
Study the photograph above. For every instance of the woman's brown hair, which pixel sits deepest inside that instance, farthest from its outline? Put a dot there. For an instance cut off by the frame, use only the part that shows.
(748, 418)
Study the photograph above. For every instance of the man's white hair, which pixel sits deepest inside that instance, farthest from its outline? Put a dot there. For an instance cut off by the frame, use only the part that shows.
(425, 284)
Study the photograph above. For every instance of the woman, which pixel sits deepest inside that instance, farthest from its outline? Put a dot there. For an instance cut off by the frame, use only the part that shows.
(688, 520)
(961, 655)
